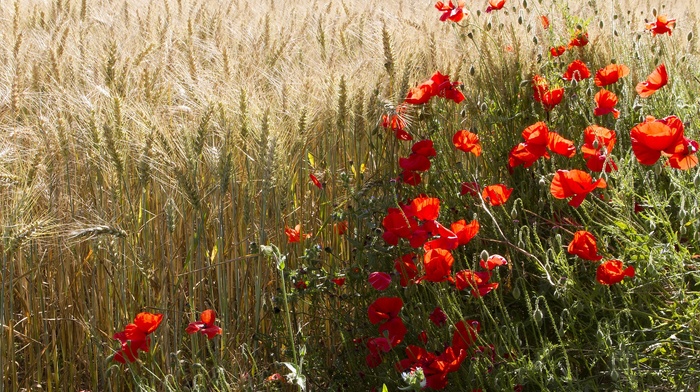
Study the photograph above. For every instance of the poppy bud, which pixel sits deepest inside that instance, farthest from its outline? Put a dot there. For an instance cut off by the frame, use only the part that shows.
(484, 255)
(614, 375)
(534, 39)
(653, 11)
(471, 70)
(538, 316)
(542, 181)
(488, 26)
(514, 213)
(690, 36)
(470, 35)
(682, 230)
(520, 20)
(681, 214)
(516, 292)
(524, 3)
(600, 24)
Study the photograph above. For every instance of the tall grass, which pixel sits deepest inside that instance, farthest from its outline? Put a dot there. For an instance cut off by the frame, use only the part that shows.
(149, 149)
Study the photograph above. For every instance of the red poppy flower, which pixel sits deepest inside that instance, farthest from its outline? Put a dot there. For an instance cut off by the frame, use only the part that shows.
(205, 325)
(579, 39)
(601, 162)
(129, 351)
(610, 74)
(526, 154)
(424, 148)
(597, 139)
(611, 272)
(315, 181)
(470, 188)
(495, 5)
(426, 208)
(384, 308)
(380, 280)
(301, 285)
(683, 156)
(584, 246)
(447, 240)
(435, 367)
(143, 325)
(574, 183)
(662, 25)
(538, 139)
(545, 21)
(373, 360)
(552, 98)
(450, 11)
(577, 71)
(399, 225)
(543, 94)
(134, 337)
(557, 144)
(396, 123)
(477, 281)
(420, 94)
(465, 232)
(539, 87)
(437, 85)
(493, 261)
(556, 51)
(395, 330)
(465, 334)
(652, 137)
(294, 235)
(446, 89)
(406, 268)
(338, 281)
(410, 177)
(496, 194)
(467, 142)
(606, 101)
(415, 162)
(378, 345)
(598, 142)
(438, 265)
(340, 227)
(438, 317)
(655, 81)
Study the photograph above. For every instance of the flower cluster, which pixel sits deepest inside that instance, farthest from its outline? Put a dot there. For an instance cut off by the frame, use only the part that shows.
(654, 138)
(418, 161)
(584, 245)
